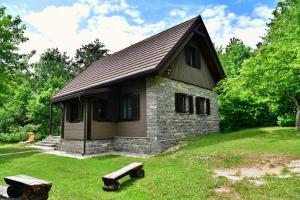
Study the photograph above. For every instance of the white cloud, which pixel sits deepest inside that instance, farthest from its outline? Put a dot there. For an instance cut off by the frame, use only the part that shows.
(223, 24)
(263, 12)
(63, 26)
(118, 24)
(180, 12)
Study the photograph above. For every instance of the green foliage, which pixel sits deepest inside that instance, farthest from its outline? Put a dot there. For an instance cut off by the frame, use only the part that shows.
(286, 120)
(11, 35)
(90, 53)
(12, 137)
(274, 71)
(234, 55)
(271, 74)
(241, 112)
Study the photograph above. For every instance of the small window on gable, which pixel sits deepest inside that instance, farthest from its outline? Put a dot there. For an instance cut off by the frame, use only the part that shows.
(192, 56)
(129, 107)
(100, 110)
(184, 103)
(74, 111)
(200, 105)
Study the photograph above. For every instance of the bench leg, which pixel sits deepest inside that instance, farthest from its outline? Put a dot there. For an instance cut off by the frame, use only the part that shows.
(111, 186)
(14, 192)
(140, 173)
(29, 195)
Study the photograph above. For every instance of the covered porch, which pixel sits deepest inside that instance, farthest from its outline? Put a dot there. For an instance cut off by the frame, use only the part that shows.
(103, 119)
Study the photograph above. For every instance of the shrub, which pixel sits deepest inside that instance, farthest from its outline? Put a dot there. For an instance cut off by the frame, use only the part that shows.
(13, 137)
(286, 120)
(242, 112)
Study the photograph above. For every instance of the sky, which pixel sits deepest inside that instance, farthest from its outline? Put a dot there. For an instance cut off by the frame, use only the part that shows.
(68, 24)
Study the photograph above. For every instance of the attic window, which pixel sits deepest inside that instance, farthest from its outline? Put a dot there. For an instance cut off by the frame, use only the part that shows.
(192, 56)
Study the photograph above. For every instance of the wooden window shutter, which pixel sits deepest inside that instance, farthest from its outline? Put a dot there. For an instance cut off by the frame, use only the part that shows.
(197, 105)
(208, 106)
(198, 59)
(67, 111)
(177, 102)
(135, 99)
(187, 55)
(113, 108)
(80, 110)
(191, 104)
(95, 110)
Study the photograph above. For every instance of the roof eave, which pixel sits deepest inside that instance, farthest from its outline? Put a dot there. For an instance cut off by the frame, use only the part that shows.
(59, 99)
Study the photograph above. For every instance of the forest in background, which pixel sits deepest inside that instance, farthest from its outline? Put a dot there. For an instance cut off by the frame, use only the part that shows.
(261, 87)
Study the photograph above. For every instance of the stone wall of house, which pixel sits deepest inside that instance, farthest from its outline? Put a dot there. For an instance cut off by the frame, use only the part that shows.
(92, 146)
(165, 127)
(139, 145)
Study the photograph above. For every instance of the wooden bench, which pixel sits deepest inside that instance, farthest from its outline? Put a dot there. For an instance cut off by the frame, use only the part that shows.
(27, 187)
(135, 170)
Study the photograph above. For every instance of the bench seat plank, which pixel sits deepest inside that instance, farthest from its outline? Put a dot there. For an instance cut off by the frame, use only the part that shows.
(125, 170)
(26, 187)
(25, 181)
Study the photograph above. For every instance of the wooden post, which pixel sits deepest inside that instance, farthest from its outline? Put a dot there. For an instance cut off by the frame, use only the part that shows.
(62, 122)
(50, 123)
(85, 127)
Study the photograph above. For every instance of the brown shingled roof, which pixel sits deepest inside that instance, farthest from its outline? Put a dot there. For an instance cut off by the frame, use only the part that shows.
(143, 57)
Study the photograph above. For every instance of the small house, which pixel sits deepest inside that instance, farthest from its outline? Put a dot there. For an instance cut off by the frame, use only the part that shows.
(145, 98)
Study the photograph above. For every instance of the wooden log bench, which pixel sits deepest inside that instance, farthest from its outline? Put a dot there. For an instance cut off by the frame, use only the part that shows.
(135, 170)
(27, 187)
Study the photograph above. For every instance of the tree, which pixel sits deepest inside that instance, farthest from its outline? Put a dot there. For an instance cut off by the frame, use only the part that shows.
(89, 53)
(11, 62)
(274, 70)
(14, 77)
(51, 73)
(11, 35)
(233, 56)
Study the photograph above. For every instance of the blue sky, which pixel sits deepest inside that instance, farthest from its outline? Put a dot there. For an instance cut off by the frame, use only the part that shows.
(118, 23)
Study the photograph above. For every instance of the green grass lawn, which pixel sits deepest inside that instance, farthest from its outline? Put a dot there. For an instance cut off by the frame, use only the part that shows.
(185, 174)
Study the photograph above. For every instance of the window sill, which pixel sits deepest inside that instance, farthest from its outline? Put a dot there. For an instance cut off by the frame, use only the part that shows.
(128, 120)
(73, 122)
(184, 113)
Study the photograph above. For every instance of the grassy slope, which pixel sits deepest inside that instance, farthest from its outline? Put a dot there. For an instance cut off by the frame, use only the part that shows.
(186, 174)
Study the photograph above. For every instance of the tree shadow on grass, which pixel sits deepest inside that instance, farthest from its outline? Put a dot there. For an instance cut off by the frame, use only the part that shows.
(214, 139)
(13, 150)
(11, 157)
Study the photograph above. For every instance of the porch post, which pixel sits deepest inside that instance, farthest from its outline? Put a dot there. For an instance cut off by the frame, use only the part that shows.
(85, 127)
(62, 123)
(50, 122)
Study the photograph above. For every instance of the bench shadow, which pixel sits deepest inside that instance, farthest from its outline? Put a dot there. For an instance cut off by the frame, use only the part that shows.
(127, 183)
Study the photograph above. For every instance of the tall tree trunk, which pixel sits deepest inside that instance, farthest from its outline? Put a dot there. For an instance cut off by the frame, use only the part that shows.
(297, 103)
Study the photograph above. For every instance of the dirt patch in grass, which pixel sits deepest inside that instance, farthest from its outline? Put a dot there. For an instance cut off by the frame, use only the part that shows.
(274, 166)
